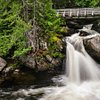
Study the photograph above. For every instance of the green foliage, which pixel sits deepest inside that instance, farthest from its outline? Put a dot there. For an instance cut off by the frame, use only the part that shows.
(87, 3)
(50, 24)
(75, 3)
(58, 4)
(46, 17)
(13, 17)
(12, 29)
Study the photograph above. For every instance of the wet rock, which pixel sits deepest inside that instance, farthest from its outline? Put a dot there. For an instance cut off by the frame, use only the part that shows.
(42, 64)
(72, 31)
(8, 71)
(17, 77)
(3, 63)
(74, 25)
(96, 26)
(92, 46)
(56, 62)
(47, 62)
(43, 45)
(28, 61)
(22, 78)
(49, 58)
(53, 61)
(85, 32)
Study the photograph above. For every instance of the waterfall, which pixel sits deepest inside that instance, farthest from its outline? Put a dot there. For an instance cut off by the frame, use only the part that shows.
(79, 65)
(82, 73)
(82, 77)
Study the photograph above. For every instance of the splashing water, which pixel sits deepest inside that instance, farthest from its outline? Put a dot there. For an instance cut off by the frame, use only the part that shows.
(81, 66)
(82, 75)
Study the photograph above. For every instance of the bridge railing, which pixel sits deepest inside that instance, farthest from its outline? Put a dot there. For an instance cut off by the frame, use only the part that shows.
(76, 12)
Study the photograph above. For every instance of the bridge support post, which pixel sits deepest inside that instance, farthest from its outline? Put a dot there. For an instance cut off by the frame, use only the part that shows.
(85, 12)
(77, 13)
(92, 13)
(70, 14)
(64, 14)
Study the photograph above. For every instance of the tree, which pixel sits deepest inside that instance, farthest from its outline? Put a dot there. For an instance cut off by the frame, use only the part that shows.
(58, 4)
(12, 28)
(17, 16)
(87, 3)
(49, 23)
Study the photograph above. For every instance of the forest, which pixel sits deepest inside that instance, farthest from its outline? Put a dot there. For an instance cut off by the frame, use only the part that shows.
(37, 45)
(17, 17)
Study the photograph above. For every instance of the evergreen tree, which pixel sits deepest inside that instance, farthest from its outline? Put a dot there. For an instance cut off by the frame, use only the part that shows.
(87, 3)
(12, 28)
(50, 24)
(15, 16)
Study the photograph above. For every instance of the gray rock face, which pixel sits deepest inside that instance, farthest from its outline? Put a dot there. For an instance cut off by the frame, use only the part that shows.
(92, 46)
(96, 26)
(29, 61)
(73, 24)
(3, 63)
(16, 77)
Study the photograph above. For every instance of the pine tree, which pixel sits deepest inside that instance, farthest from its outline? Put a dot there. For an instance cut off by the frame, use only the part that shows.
(12, 28)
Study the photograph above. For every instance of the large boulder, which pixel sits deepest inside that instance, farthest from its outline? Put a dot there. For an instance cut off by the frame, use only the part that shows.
(38, 58)
(28, 60)
(92, 45)
(96, 26)
(16, 77)
(74, 25)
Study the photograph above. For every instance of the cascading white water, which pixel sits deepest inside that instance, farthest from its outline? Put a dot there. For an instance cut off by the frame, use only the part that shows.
(79, 64)
(82, 76)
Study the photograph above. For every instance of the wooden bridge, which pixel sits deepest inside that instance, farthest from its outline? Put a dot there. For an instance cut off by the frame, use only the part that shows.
(79, 13)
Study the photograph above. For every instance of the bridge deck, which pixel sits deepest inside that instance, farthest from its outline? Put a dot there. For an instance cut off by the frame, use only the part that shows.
(79, 12)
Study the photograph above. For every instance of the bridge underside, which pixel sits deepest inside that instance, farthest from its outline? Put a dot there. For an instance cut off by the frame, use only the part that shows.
(80, 17)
